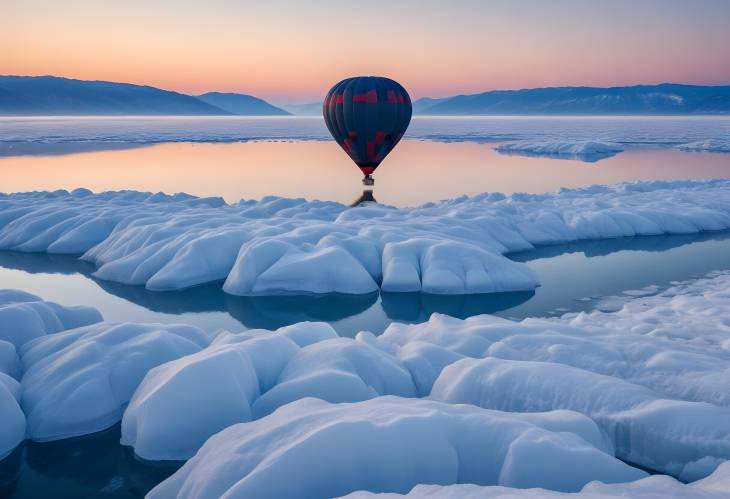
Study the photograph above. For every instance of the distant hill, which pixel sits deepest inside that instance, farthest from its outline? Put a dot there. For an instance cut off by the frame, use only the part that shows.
(307, 109)
(421, 105)
(663, 99)
(242, 104)
(51, 95)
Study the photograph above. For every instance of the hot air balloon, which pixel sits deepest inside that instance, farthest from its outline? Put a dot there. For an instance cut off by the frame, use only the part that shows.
(367, 116)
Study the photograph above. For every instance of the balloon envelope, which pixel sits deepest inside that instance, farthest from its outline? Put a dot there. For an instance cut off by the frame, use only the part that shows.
(367, 116)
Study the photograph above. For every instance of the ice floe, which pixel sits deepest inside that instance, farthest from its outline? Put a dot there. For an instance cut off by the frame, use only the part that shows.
(311, 448)
(586, 150)
(9, 360)
(84, 133)
(79, 381)
(12, 419)
(715, 486)
(707, 145)
(248, 375)
(649, 381)
(685, 439)
(24, 316)
(692, 314)
(182, 403)
(278, 245)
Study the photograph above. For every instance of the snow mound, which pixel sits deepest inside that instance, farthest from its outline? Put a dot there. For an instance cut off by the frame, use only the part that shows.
(664, 132)
(24, 317)
(12, 419)
(676, 437)
(339, 370)
(278, 245)
(707, 145)
(677, 343)
(666, 374)
(653, 487)
(9, 360)
(247, 376)
(691, 314)
(311, 448)
(78, 381)
(181, 403)
(585, 150)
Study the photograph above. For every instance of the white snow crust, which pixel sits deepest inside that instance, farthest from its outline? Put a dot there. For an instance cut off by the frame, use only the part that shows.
(676, 437)
(664, 401)
(536, 403)
(278, 245)
(715, 486)
(79, 381)
(12, 419)
(24, 316)
(656, 131)
(708, 145)
(312, 448)
(587, 150)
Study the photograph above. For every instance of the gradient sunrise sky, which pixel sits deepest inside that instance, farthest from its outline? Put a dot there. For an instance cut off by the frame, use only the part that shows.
(293, 51)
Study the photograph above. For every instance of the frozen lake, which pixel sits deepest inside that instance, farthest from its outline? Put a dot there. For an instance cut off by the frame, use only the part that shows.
(294, 157)
(574, 277)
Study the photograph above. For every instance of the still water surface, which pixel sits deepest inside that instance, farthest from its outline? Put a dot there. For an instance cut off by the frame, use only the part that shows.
(414, 173)
(295, 157)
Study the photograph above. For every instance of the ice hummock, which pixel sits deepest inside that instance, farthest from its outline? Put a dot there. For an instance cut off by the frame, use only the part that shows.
(585, 150)
(79, 381)
(647, 383)
(24, 316)
(644, 375)
(684, 439)
(83, 133)
(654, 487)
(12, 426)
(311, 448)
(718, 145)
(278, 245)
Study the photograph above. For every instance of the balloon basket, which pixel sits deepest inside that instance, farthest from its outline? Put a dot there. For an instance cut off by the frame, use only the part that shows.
(368, 180)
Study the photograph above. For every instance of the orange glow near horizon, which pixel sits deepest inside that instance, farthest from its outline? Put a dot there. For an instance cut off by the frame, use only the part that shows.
(321, 170)
(286, 52)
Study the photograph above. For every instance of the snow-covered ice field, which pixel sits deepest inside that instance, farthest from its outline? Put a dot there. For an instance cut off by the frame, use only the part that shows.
(560, 404)
(278, 245)
(629, 397)
(689, 133)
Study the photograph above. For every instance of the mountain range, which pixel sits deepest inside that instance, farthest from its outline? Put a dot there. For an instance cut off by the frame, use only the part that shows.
(51, 95)
(662, 99)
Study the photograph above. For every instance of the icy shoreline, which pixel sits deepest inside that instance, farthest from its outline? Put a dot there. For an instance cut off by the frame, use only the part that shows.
(688, 133)
(647, 383)
(278, 245)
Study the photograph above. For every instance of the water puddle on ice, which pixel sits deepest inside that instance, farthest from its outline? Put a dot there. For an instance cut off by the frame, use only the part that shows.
(573, 278)
(440, 158)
